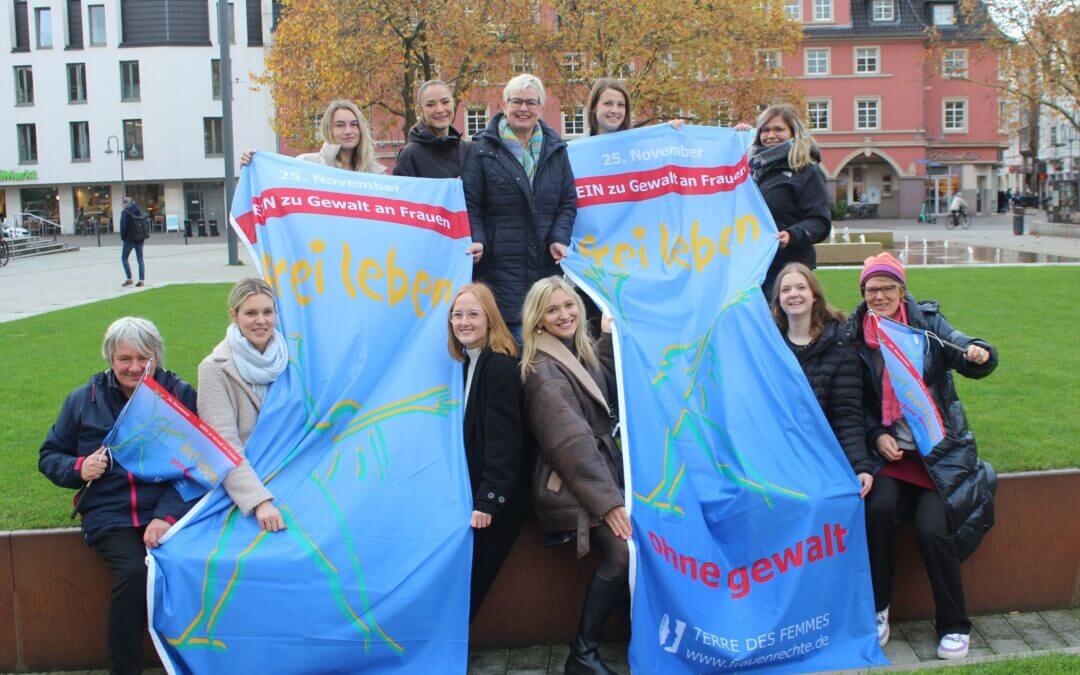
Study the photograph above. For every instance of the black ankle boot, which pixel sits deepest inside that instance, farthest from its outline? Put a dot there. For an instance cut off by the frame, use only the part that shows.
(601, 598)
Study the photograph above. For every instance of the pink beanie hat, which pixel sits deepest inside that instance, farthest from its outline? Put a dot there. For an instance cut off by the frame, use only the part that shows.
(883, 263)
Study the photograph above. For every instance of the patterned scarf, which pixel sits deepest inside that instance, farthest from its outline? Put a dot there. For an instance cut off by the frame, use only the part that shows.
(890, 405)
(528, 159)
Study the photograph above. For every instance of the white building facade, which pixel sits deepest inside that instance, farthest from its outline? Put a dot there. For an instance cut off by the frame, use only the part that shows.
(1057, 168)
(87, 78)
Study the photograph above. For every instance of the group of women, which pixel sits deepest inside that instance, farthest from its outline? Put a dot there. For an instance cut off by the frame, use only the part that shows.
(539, 391)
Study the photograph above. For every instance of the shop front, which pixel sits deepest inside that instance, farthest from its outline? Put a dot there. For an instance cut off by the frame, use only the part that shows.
(93, 208)
(973, 172)
(151, 199)
(43, 202)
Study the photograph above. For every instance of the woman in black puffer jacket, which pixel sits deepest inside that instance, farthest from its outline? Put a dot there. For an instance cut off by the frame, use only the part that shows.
(815, 332)
(784, 162)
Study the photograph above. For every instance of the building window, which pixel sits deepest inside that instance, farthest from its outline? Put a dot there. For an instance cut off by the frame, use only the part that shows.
(215, 80)
(22, 27)
(1003, 117)
(27, 143)
(43, 24)
(817, 114)
(129, 80)
(574, 122)
(886, 185)
(769, 58)
(572, 64)
(133, 144)
(24, 85)
(232, 23)
(74, 24)
(955, 118)
(793, 9)
(867, 60)
(97, 25)
(955, 63)
(884, 10)
(476, 120)
(213, 139)
(80, 141)
(822, 10)
(522, 63)
(944, 15)
(76, 75)
(817, 61)
(164, 22)
(867, 114)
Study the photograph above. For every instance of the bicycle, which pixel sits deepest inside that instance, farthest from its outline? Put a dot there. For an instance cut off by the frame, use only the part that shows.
(5, 251)
(956, 218)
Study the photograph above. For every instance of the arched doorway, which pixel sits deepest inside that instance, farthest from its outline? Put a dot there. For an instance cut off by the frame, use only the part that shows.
(870, 180)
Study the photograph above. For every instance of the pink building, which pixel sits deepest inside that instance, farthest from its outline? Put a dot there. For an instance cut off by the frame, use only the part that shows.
(895, 129)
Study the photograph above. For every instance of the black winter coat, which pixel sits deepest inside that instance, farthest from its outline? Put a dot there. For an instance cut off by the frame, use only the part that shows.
(129, 217)
(515, 221)
(117, 499)
(429, 156)
(965, 483)
(494, 435)
(831, 365)
(799, 204)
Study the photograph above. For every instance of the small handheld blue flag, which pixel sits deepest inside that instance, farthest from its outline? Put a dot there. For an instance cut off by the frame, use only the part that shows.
(157, 439)
(902, 349)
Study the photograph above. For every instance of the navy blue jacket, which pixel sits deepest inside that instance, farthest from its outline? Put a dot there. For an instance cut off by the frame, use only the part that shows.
(117, 499)
(129, 217)
(515, 221)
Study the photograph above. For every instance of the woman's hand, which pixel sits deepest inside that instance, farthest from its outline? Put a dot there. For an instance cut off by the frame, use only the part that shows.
(95, 465)
(245, 157)
(605, 323)
(558, 251)
(269, 517)
(476, 250)
(977, 355)
(866, 481)
(676, 123)
(480, 520)
(619, 522)
(155, 531)
(743, 126)
(888, 448)
(784, 237)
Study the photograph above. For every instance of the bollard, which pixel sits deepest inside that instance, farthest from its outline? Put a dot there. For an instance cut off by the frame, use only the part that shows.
(1018, 220)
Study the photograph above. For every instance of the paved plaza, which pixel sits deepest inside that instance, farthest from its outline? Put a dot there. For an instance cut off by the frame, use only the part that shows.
(30, 286)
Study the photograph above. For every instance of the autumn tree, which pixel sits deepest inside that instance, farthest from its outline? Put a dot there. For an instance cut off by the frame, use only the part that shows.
(1037, 43)
(376, 52)
(707, 60)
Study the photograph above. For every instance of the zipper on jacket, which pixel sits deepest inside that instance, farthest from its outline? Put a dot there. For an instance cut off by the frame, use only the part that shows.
(134, 500)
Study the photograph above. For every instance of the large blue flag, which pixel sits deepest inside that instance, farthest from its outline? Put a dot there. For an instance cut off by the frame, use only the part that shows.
(749, 546)
(902, 349)
(360, 441)
(156, 438)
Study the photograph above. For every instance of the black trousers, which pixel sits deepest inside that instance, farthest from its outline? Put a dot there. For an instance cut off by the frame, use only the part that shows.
(491, 545)
(125, 553)
(889, 503)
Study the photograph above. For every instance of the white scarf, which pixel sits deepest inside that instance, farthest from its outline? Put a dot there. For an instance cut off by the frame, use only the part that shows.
(257, 368)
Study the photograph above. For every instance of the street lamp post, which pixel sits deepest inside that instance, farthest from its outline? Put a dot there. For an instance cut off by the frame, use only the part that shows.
(119, 150)
(224, 10)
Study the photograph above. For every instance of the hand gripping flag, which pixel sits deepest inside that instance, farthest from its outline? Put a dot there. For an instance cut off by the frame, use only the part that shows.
(156, 438)
(749, 548)
(902, 349)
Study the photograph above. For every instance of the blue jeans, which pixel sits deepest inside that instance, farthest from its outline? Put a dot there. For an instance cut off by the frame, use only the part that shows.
(126, 252)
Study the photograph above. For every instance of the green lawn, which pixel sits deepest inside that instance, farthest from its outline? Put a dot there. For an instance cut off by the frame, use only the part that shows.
(1050, 664)
(1024, 414)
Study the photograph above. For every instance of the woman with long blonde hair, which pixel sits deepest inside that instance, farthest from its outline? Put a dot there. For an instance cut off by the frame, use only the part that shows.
(493, 431)
(784, 162)
(346, 137)
(578, 479)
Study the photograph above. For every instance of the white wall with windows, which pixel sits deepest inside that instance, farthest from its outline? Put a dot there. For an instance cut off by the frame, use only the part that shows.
(61, 103)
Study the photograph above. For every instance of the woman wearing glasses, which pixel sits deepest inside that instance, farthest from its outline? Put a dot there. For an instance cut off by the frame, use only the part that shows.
(949, 493)
(784, 161)
(519, 189)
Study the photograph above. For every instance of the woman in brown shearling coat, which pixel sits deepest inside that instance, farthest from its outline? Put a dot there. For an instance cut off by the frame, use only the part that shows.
(578, 481)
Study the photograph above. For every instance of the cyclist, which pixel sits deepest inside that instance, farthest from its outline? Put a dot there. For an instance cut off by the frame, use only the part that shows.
(958, 208)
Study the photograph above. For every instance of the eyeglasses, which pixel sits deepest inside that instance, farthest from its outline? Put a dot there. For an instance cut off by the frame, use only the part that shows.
(880, 290)
(530, 103)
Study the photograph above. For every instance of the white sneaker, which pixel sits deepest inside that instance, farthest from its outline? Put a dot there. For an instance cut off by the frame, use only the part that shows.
(953, 646)
(883, 627)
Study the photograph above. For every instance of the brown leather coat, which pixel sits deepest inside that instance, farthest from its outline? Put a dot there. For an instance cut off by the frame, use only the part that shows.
(578, 475)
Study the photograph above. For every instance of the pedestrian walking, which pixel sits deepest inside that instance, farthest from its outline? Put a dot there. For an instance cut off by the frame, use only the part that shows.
(133, 233)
